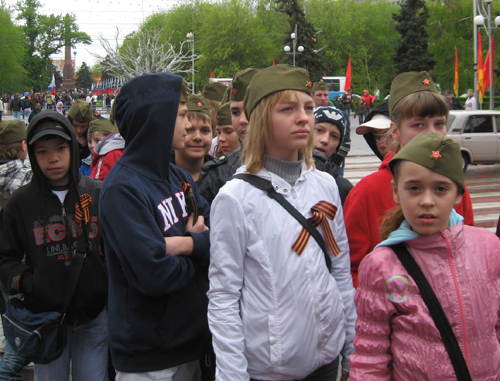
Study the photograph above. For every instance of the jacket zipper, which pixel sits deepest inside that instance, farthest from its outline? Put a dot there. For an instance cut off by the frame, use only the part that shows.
(459, 297)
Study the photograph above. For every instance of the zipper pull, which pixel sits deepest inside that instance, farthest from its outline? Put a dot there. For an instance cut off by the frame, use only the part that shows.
(63, 210)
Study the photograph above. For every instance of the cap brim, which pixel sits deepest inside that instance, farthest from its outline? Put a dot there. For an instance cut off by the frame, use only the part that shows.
(49, 131)
(379, 122)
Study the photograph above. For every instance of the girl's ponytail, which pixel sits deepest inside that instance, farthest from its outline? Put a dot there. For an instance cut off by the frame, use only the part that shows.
(391, 221)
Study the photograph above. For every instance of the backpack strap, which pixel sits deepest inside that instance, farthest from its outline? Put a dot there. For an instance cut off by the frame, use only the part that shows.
(436, 310)
(267, 186)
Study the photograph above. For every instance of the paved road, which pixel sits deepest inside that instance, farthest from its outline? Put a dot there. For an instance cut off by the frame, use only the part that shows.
(483, 182)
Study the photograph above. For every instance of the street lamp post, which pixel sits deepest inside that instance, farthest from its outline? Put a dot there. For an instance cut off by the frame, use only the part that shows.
(190, 36)
(478, 21)
(295, 50)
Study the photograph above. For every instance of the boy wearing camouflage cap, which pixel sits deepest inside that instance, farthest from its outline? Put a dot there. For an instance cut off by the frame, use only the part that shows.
(80, 116)
(320, 94)
(215, 173)
(107, 146)
(198, 140)
(15, 171)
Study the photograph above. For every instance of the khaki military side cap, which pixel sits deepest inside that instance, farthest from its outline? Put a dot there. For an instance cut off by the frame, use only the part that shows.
(81, 111)
(198, 103)
(436, 152)
(12, 131)
(408, 83)
(223, 115)
(273, 79)
(214, 91)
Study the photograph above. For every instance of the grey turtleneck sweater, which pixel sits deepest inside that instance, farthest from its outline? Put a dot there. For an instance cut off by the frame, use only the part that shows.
(287, 170)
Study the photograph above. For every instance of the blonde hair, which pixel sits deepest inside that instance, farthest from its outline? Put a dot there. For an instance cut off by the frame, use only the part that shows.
(260, 133)
(98, 134)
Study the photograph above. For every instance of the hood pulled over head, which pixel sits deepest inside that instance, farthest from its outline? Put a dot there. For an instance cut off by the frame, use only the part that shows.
(51, 123)
(146, 112)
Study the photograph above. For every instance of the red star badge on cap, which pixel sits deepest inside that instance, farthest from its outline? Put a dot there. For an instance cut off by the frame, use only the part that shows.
(435, 155)
(309, 84)
(199, 104)
(234, 91)
(426, 82)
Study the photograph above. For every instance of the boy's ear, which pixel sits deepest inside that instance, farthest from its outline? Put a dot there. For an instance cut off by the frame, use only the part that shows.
(458, 200)
(395, 132)
(395, 192)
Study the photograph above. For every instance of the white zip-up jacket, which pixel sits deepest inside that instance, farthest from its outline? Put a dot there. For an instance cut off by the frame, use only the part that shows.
(275, 315)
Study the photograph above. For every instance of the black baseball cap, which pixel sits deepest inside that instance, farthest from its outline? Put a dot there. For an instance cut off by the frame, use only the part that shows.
(49, 128)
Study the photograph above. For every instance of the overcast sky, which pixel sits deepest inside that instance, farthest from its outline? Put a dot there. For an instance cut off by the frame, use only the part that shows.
(94, 16)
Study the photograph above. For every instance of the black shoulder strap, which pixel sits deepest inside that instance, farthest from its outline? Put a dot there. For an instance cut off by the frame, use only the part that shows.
(267, 186)
(436, 310)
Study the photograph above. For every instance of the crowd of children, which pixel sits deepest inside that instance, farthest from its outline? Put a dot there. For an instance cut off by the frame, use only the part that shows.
(258, 262)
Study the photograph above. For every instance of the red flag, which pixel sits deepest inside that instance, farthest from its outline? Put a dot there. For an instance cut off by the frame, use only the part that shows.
(348, 76)
(324, 74)
(211, 74)
(274, 61)
(455, 86)
(480, 73)
(486, 69)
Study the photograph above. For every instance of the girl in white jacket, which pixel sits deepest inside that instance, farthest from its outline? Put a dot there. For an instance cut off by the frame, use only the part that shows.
(275, 310)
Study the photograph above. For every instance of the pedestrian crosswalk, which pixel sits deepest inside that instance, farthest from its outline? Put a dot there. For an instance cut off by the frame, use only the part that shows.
(483, 182)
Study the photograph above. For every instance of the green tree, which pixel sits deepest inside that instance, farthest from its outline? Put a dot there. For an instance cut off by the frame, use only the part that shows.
(450, 27)
(45, 35)
(362, 30)
(248, 34)
(411, 51)
(306, 37)
(83, 77)
(11, 53)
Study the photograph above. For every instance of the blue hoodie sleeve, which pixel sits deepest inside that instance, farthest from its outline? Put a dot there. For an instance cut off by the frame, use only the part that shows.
(134, 237)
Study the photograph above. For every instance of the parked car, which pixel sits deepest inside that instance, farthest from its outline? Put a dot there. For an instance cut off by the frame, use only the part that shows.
(478, 134)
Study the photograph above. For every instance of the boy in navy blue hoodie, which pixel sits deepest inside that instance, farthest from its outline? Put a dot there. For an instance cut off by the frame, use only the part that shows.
(157, 257)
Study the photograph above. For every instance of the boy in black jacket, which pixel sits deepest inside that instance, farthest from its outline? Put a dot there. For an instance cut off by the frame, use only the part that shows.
(46, 220)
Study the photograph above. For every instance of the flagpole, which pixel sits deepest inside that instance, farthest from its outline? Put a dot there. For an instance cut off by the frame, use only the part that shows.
(492, 100)
(476, 93)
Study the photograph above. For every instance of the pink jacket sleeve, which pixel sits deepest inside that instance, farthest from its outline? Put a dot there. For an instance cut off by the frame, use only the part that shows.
(372, 357)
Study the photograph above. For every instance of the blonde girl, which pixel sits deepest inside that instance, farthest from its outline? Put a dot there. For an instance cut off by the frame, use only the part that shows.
(277, 312)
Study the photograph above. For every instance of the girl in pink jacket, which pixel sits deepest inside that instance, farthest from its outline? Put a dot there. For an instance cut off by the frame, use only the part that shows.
(396, 338)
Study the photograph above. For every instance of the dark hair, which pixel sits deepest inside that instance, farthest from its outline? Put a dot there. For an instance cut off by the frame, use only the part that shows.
(10, 151)
(394, 217)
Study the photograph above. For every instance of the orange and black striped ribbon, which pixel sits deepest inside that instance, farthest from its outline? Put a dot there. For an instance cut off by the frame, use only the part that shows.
(84, 212)
(321, 212)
